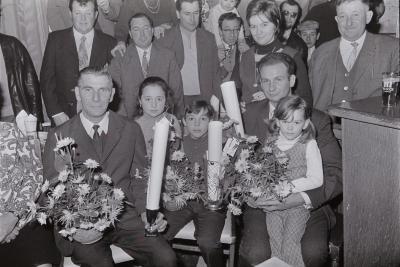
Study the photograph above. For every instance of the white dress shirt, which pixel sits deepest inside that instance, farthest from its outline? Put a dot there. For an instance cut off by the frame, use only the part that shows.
(88, 125)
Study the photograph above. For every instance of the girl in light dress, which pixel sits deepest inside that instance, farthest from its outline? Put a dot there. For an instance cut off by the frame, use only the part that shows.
(154, 102)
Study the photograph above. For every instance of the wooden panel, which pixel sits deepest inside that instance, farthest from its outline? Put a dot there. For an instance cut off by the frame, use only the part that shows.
(371, 194)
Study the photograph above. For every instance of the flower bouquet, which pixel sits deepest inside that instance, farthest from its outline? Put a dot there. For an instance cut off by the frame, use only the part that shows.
(82, 202)
(259, 171)
(183, 181)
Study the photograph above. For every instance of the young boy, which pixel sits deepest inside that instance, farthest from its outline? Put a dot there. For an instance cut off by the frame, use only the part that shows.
(224, 6)
(208, 224)
(309, 32)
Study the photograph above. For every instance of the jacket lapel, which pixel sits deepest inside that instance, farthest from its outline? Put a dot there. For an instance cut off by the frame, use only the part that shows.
(115, 128)
(200, 49)
(85, 144)
(71, 50)
(96, 49)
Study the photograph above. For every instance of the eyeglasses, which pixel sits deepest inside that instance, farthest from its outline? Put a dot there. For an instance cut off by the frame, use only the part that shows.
(291, 14)
(231, 31)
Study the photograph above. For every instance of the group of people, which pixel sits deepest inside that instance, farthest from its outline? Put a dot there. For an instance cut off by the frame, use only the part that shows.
(167, 59)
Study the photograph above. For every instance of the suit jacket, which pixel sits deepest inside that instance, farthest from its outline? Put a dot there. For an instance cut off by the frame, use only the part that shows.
(378, 54)
(250, 78)
(294, 41)
(254, 123)
(127, 73)
(123, 152)
(60, 68)
(207, 58)
(23, 83)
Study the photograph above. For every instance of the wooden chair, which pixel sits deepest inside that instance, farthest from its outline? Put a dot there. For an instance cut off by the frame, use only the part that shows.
(184, 240)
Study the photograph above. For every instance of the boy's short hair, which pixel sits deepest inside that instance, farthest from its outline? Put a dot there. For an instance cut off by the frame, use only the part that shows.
(178, 3)
(308, 25)
(83, 3)
(229, 16)
(197, 106)
(275, 58)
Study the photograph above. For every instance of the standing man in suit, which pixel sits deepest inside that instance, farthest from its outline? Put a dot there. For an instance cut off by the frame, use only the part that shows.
(196, 52)
(67, 52)
(351, 67)
(121, 154)
(142, 59)
(277, 79)
(229, 25)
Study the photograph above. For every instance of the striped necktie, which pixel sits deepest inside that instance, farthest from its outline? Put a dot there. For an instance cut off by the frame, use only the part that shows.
(83, 54)
(145, 64)
(353, 56)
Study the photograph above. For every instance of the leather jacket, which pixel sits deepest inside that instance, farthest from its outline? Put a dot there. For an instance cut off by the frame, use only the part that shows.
(23, 82)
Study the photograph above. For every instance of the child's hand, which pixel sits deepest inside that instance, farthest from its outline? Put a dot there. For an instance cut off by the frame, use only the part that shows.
(258, 96)
(242, 46)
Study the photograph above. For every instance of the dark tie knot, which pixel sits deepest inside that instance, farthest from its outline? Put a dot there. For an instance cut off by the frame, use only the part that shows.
(96, 133)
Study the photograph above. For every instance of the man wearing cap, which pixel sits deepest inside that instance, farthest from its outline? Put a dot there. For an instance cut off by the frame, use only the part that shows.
(350, 67)
(309, 32)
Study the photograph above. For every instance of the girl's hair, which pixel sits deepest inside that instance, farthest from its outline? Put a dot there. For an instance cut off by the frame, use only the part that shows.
(197, 106)
(268, 8)
(284, 110)
(153, 80)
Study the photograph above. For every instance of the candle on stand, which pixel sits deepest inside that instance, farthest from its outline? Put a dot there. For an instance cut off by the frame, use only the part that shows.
(157, 164)
(232, 105)
(214, 158)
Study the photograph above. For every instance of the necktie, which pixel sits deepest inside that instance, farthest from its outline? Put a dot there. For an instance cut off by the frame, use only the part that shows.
(97, 140)
(145, 64)
(353, 56)
(83, 54)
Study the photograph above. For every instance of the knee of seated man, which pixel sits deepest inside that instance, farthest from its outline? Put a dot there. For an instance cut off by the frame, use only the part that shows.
(315, 256)
(208, 242)
(164, 257)
(254, 255)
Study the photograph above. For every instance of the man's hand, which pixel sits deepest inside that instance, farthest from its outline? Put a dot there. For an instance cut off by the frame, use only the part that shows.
(160, 30)
(7, 224)
(60, 118)
(293, 200)
(160, 223)
(104, 6)
(119, 48)
(258, 96)
(11, 236)
(242, 46)
(221, 53)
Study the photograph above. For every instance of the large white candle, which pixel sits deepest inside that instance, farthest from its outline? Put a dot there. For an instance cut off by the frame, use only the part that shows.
(214, 158)
(232, 105)
(214, 141)
(157, 164)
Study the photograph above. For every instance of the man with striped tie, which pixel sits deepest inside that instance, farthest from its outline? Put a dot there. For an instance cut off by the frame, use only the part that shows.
(67, 52)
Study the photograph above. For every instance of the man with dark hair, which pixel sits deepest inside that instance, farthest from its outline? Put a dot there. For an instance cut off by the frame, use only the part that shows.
(121, 156)
(277, 79)
(195, 51)
(144, 58)
(229, 25)
(351, 67)
(309, 32)
(67, 52)
(291, 14)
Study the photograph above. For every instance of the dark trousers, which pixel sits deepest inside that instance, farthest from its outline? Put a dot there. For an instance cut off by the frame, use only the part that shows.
(147, 251)
(208, 228)
(255, 245)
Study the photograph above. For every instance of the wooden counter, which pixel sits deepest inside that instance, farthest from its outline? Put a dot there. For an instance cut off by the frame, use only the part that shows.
(371, 182)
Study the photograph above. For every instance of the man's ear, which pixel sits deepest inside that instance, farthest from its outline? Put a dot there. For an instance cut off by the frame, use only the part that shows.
(77, 94)
(184, 121)
(306, 124)
(318, 34)
(369, 16)
(292, 80)
(112, 95)
(178, 15)
(337, 20)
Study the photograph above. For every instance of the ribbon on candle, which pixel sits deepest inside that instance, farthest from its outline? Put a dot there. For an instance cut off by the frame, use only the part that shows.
(157, 164)
(232, 105)
(214, 158)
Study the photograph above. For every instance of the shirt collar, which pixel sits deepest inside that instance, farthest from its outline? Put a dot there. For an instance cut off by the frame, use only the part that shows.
(226, 46)
(359, 41)
(141, 51)
(187, 33)
(78, 35)
(88, 125)
(271, 110)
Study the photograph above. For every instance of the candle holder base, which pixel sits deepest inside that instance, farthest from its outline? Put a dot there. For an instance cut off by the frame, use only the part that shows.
(151, 231)
(214, 205)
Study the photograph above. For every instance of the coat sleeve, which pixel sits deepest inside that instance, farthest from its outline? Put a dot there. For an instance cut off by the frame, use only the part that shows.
(303, 88)
(331, 162)
(175, 82)
(48, 78)
(122, 27)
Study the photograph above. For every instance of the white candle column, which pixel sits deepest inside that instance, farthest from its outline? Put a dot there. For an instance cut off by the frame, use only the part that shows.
(232, 105)
(214, 159)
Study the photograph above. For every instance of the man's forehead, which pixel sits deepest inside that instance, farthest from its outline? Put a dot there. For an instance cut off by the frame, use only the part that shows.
(286, 6)
(94, 80)
(275, 68)
(82, 6)
(352, 5)
(230, 23)
(190, 7)
(140, 21)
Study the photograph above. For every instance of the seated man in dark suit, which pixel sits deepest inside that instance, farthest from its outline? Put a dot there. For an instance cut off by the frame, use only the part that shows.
(277, 78)
(67, 52)
(121, 155)
(229, 25)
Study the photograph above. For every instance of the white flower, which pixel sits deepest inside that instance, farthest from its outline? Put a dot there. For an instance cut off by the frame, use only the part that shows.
(63, 175)
(91, 164)
(106, 178)
(51, 203)
(64, 143)
(177, 155)
(118, 194)
(67, 232)
(101, 225)
(96, 177)
(234, 209)
(225, 159)
(257, 166)
(137, 174)
(79, 179)
(241, 165)
(81, 200)
(45, 186)
(42, 217)
(256, 192)
(86, 225)
(83, 189)
(251, 139)
(172, 136)
(196, 168)
(245, 154)
(58, 191)
(267, 149)
(32, 207)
